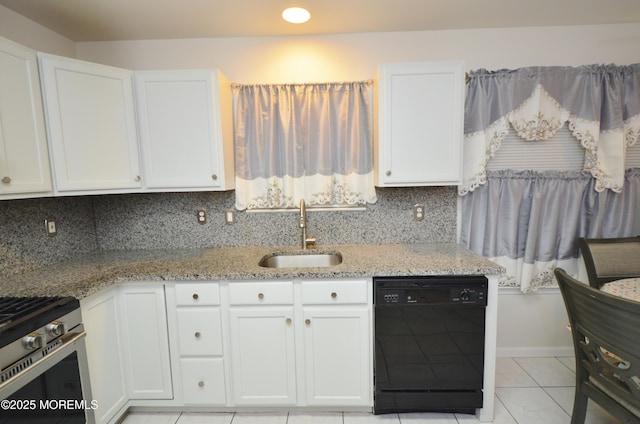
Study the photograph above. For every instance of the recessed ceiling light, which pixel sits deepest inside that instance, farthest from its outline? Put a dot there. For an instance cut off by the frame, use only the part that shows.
(296, 15)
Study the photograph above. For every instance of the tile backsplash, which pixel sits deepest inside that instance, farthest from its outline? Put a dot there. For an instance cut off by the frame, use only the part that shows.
(169, 220)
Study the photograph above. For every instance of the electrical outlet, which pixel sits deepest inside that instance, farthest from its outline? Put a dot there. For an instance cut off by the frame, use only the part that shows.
(230, 217)
(202, 216)
(50, 226)
(418, 212)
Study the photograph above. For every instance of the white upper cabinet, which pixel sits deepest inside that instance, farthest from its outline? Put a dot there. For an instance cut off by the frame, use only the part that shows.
(24, 159)
(186, 129)
(91, 121)
(419, 124)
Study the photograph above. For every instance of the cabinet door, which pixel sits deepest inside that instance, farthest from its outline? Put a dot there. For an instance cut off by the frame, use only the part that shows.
(24, 158)
(181, 129)
(146, 343)
(263, 356)
(101, 318)
(91, 121)
(337, 348)
(420, 124)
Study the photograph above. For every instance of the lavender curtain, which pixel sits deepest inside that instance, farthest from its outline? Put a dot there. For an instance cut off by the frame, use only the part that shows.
(529, 222)
(600, 103)
(303, 141)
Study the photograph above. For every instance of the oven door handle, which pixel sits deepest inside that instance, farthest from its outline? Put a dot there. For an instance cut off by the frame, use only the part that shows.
(70, 343)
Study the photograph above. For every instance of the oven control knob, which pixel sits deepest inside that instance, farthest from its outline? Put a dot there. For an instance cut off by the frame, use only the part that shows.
(32, 341)
(465, 296)
(55, 329)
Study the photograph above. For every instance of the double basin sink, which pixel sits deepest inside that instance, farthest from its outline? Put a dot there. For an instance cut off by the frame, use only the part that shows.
(301, 259)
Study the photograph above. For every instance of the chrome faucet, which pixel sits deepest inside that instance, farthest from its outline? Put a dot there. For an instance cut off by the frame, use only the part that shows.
(306, 241)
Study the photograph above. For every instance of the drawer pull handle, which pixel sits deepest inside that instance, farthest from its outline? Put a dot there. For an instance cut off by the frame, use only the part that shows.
(137, 178)
(214, 177)
(388, 173)
(6, 180)
(197, 335)
(195, 296)
(334, 295)
(200, 383)
(288, 320)
(307, 321)
(260, 296)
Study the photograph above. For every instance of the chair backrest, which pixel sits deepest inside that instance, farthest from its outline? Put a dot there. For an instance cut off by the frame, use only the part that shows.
(609, 259)
(606, 338)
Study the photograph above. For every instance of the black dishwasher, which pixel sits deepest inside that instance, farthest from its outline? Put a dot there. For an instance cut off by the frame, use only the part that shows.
(429, 343)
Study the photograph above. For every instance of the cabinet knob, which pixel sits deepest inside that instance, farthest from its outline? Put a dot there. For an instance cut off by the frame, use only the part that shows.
(388, 173)
(260, 296)
(137, 178)
(288, 320)
(214, 177)
(334, 295)
(195, 296)
(6, 180)
(200, 383)
(197, 335)
(307, 321)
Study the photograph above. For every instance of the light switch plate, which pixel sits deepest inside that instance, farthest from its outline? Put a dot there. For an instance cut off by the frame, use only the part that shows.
(230, 217)
(50, 226)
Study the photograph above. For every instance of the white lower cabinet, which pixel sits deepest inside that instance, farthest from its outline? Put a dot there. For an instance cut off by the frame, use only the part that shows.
(101, 318)
(337, 343)
(261, 331)
(302, 343)
(195, 321)
(241, 344)
(263, 356)
(145, 342)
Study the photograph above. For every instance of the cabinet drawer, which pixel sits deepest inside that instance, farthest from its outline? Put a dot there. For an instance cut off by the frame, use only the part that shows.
(334, 292)
(203, 381)
(263, 293)
(197, 294)
(199, 331)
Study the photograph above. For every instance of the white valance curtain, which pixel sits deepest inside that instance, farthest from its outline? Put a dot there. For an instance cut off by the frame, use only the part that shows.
(601, 104)
(303, 141)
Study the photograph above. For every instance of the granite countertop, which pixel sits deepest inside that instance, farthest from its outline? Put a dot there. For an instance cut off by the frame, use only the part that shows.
(85, 275)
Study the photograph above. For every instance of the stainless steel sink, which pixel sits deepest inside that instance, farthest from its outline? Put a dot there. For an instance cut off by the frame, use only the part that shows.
(302, 259)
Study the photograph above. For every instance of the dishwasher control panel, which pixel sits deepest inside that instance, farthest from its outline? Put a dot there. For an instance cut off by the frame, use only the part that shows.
(455, 290)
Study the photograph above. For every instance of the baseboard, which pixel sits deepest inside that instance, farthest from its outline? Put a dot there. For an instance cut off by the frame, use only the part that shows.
(533, 351)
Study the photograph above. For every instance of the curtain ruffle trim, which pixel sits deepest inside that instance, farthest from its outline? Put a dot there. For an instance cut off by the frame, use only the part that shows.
(539, 118)
(285, 193)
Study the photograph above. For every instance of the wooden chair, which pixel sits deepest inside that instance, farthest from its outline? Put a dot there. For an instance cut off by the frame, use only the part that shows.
(608, 259)
(606, 341)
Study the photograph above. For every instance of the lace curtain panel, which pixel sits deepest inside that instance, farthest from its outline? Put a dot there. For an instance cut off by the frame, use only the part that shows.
(529, 222)
(303, 141)
(600, 103)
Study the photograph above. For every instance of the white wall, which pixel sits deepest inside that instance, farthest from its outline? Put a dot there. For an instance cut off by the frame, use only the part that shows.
(26, 32)
(355, 56)
(533, 324)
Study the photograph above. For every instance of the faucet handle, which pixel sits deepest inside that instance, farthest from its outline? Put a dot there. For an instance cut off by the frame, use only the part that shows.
(310, 241)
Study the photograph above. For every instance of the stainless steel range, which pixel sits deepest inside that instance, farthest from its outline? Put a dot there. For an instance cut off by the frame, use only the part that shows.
(43, 363)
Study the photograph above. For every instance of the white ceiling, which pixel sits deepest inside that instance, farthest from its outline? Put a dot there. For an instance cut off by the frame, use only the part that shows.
(107, 20)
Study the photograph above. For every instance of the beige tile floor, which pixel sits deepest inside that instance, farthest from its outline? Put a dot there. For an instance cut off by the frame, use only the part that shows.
(528, 391)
